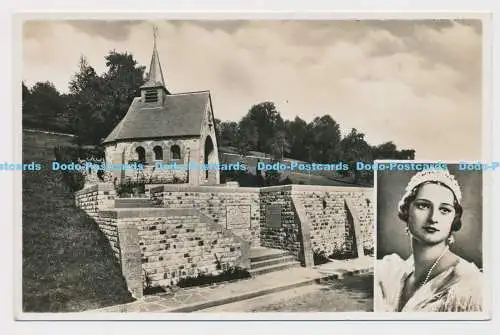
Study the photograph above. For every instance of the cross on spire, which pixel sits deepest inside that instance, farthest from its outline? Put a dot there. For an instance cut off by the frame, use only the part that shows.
(155, 74)
(155, 33)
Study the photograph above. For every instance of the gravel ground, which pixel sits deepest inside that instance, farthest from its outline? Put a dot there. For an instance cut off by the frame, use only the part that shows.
(350, 294)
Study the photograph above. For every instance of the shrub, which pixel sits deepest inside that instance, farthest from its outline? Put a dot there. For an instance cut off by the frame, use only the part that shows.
(75, 180)
(130, 187)
(319, 257)
(369, 251)
(340, 255)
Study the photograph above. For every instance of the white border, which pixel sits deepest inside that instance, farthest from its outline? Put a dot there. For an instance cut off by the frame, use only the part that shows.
(261, 5)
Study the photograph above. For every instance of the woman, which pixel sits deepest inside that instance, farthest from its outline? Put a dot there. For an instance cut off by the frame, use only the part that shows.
(433, 278)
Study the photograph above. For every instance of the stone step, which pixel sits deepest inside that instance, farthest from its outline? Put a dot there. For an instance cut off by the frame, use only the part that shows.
(134, 203)
(266, 255)
(272, 261)
(273, 268)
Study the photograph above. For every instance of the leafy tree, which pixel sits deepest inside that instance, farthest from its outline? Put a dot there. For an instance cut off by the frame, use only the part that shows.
(297, 135)
(326, 137)
(44, 107)
(407, 154)
(228, 133)
(272, 177)
(25, 94)
(354, 148)
(100, 102)
(266, 122)
(45, 101)
(122, 82)
(247, 137)
(86, 90)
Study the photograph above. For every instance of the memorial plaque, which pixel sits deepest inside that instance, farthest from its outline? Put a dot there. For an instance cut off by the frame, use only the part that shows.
(238, 216)
(273, 216)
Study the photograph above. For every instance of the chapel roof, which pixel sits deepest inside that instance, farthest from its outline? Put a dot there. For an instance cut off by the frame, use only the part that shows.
(179, 115)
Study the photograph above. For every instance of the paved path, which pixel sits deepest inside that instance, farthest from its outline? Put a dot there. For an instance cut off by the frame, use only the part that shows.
(350, 294)
(340, 268)
(194, 299)
(188, 300)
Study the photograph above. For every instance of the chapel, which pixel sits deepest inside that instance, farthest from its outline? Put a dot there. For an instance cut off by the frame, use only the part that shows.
(165, 129)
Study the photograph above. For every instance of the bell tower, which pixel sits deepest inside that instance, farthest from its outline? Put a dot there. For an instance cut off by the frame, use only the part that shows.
(154, 90)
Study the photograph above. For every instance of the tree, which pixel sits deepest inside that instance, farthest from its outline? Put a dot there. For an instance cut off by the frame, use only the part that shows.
(388, 150)
(326, 137)
(407, 154)
(247, 137)
(122, 82)
(354, 148)
(25, 94)
(266, 122)
(279, 146)
(100, 102)
(296, 133)
(228, 133)
(86, 91)
(45, 101)
(26, 105)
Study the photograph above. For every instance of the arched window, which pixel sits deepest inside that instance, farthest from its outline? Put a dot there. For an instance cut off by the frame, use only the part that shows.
(175, 152)
(158, 153)
(141, 154)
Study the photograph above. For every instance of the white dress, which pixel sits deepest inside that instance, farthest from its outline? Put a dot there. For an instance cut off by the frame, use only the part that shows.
(458, 289)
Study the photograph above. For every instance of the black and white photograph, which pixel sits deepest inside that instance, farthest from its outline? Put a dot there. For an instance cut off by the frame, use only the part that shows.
(429, 239)
(226, 165)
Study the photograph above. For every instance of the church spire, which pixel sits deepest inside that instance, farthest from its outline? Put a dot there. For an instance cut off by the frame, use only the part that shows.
(155, 75)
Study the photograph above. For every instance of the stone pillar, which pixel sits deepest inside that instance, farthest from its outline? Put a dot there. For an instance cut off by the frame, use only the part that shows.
(306, 244)
(194, 173)
(130, 257)
(358, 236)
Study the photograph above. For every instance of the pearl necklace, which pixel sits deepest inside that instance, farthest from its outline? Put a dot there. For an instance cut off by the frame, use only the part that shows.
(434, 265)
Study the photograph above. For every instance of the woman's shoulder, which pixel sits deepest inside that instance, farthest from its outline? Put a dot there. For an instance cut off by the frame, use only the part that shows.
(390, 265)
(391, 260)
(468, 275)
(466, 294)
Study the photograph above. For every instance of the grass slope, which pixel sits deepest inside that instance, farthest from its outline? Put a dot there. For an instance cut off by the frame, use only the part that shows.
(68, 265)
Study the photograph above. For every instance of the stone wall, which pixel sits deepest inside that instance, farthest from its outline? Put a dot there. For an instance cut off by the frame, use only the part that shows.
(330, 224)
(279, 226)
(236, 209)
(176, 244)
(95, 198)
(198, 227)
(180, 245)
(155, 175)
(109, 226)
(123, 152)
(294, 216)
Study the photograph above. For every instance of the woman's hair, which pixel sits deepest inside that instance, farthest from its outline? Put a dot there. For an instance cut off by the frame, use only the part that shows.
(404, 205)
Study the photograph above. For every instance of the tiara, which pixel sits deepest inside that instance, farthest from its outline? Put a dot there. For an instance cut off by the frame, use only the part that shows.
(441, 176)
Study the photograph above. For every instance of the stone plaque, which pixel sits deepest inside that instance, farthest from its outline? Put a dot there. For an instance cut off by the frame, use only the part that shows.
(273, 216)
(238, 217)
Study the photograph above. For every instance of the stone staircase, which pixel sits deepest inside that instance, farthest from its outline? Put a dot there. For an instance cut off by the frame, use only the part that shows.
(266, 260)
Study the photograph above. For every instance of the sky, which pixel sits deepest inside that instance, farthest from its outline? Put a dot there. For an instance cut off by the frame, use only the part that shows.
(417, 83)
